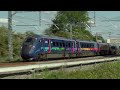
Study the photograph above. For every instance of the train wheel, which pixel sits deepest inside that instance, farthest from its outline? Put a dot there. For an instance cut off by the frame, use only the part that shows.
(38, 57)
(44, 56)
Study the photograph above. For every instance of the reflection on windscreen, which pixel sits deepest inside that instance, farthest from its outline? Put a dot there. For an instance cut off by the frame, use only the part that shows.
(30, 40)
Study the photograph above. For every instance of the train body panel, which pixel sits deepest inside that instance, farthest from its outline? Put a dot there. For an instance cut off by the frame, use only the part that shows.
(103, 48)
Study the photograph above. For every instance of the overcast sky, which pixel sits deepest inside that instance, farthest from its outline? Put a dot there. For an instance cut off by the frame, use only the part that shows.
(31, 18)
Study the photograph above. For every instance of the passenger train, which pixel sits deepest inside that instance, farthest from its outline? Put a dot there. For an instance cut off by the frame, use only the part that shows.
(38, 47)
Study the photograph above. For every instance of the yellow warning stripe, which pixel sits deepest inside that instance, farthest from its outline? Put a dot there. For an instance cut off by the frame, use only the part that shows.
(85, 48)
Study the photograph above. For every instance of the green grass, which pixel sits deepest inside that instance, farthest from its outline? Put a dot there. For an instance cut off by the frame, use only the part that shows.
(102, 71)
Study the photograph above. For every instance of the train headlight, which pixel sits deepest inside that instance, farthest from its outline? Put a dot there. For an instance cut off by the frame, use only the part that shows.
(33, 47)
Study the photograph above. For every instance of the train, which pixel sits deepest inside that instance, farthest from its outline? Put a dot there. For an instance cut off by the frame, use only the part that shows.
(43, 47)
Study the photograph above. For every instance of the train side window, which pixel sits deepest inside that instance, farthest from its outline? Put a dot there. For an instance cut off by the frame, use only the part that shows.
(81, 45)
(92, 45)
(84, 45)
(87, 45)
(57, 44)
(66, 44)
(60, 44)
(53, 43)
(69, 45)
(63, 44)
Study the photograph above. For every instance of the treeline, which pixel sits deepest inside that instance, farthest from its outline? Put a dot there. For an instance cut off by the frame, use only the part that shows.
(17, 42)
(78, 20)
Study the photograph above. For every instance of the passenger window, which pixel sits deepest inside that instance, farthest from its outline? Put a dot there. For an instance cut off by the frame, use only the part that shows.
(53, 43)
(82, 45)
(57, 44)
(63, 44)
(88, 45)
(69, 45)
(92, 46)
(66, 44)
(60, 44)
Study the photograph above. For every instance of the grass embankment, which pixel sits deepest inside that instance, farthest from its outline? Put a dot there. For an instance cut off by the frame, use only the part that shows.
(102, 71)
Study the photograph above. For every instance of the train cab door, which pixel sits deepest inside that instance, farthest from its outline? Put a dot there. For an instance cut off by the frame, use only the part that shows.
(42, 45)
(49, 46)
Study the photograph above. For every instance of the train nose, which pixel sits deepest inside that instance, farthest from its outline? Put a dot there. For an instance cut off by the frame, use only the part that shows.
(25, 51)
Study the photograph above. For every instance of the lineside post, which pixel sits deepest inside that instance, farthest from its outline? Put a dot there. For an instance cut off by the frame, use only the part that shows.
(10, 42)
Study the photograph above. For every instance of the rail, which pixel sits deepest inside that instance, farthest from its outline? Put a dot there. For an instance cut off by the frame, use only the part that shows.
(28, 68)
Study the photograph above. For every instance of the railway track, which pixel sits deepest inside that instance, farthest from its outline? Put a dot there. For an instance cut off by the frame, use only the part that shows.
(20, 63)
(20, 68)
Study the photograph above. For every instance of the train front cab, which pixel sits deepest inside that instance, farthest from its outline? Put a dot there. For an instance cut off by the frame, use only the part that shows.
(27, 49)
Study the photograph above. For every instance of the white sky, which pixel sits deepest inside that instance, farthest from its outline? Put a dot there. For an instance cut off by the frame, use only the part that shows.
(31, 18)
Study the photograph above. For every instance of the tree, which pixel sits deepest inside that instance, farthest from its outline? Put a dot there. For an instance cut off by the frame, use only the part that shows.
(74, 18)
(28, 33)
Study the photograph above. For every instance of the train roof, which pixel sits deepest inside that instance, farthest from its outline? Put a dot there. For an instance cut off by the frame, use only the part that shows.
(51, 37)
(102, 43)
(86, 41)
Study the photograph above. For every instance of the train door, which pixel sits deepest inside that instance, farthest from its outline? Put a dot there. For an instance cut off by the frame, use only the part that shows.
(77, 46)
(42, 45)
(73, 45)
(49, 46)
(64, 46)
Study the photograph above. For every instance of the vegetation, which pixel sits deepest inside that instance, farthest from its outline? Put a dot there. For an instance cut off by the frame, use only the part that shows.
(17, 43)
(102, 71)
(77, 19)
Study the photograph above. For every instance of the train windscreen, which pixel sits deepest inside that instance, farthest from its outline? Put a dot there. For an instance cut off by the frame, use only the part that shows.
(30, 40)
